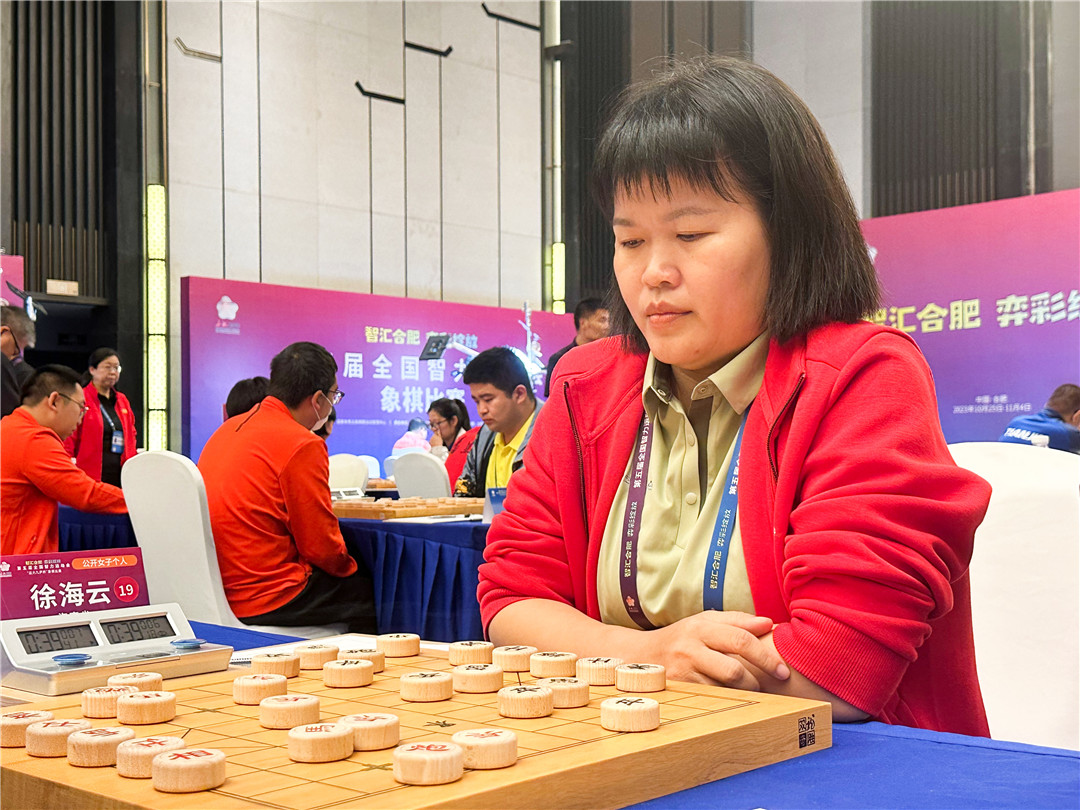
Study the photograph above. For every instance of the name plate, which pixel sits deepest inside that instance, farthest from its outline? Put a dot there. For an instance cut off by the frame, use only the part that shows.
(70, 582)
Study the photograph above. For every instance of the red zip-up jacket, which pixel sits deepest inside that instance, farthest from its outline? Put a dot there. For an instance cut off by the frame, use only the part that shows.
(85, 444)
(857, 525)
(267, 487)
(35, 473)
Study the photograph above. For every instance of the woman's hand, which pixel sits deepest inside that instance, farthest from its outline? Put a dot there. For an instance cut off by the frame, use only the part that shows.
(714, 647)
(436, 439)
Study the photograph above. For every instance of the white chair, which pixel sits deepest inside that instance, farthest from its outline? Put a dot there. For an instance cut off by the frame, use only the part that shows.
(372, 466)
(348, 472)
(391, 460)
(1025, 597)
(166, 499)
(421, 475)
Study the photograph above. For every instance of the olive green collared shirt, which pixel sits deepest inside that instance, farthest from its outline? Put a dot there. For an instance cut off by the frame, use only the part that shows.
(690, 452)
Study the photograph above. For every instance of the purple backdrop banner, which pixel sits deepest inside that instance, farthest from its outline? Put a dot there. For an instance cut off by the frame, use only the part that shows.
(232, 329)
(989, 292)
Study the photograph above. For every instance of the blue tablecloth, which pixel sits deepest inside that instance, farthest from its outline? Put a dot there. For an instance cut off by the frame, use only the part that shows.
(872, 765)
(239, 638)
(85, 531)
(425, 575)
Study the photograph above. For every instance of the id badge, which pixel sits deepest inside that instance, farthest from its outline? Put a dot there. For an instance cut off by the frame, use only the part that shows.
(117, 442)
(493, 502)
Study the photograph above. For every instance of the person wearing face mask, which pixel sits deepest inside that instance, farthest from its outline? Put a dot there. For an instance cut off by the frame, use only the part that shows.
(105, 439)
(282, 557)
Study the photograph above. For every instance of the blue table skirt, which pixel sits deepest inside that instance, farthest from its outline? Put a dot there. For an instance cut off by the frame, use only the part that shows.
(873, 765)
(425, 575)
(239, 638)
(85, 531)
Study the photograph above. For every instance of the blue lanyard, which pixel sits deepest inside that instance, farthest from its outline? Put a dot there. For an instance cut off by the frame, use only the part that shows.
(112, 424)
(716, 562)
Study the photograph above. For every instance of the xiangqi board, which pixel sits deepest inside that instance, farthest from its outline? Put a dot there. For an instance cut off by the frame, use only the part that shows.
(566, 759)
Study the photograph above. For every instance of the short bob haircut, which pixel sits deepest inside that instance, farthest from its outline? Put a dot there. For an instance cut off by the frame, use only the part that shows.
(729, 126)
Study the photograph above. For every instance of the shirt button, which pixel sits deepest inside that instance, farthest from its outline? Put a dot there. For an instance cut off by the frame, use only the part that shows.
(690, 440)
(691, 498)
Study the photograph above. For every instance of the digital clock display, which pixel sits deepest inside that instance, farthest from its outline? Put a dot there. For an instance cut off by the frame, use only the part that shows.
(122, 631)
(57, 639)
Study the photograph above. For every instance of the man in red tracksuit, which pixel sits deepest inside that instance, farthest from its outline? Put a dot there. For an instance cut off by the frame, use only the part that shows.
(35, 470)
(282, 557)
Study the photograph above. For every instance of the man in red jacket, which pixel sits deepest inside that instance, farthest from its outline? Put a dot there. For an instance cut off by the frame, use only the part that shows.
(36, 471)
(282, 557)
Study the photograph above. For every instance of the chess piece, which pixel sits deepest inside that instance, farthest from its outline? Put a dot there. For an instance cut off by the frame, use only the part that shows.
(431, 763)
(373, 731)
(188, 770)
(598, 671)
(13, 727)
(96, 747)
(525, 700)
(146, 708)
(313, 656)
(287, 711)
(287, 664)
(249, 690)
(427, 687)
(398, 645)
(477, 678)
(48, 738)
(322, 742)
(630, 714)
(551, 664)
(568, 693)
(134, 757)
(143, 681)
(470, 652)
(487, 748)
(100, 701)
(514, 658)
(348, 672)
(376, 657)
(640, 678)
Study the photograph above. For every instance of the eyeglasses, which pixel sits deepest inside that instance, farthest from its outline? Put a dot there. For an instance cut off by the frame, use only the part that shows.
(110, 367)
(15, 340)
(334, 397)
(435, 425)
(83, 407)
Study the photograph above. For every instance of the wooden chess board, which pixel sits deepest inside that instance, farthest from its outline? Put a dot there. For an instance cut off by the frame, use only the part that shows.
(565, 760)
(408, 507)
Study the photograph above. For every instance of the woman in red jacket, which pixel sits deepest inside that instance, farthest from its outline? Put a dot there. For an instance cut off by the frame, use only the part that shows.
(105, 438)
(451, 436)
(749, 485)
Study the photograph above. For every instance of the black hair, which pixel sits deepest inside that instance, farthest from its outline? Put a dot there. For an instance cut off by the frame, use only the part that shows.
(731, 127)
(47, 379)
(452, 409)
(300, 370)
(499, 367)
(97, 356)
(585, 309)
(245, 395)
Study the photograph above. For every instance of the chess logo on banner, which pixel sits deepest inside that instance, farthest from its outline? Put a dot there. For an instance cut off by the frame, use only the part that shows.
(226, 317)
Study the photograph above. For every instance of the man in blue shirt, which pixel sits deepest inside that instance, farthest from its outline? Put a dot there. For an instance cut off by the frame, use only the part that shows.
(1057, 425)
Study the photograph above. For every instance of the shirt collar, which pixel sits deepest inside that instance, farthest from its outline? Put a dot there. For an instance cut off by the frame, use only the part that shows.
(737, 381)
